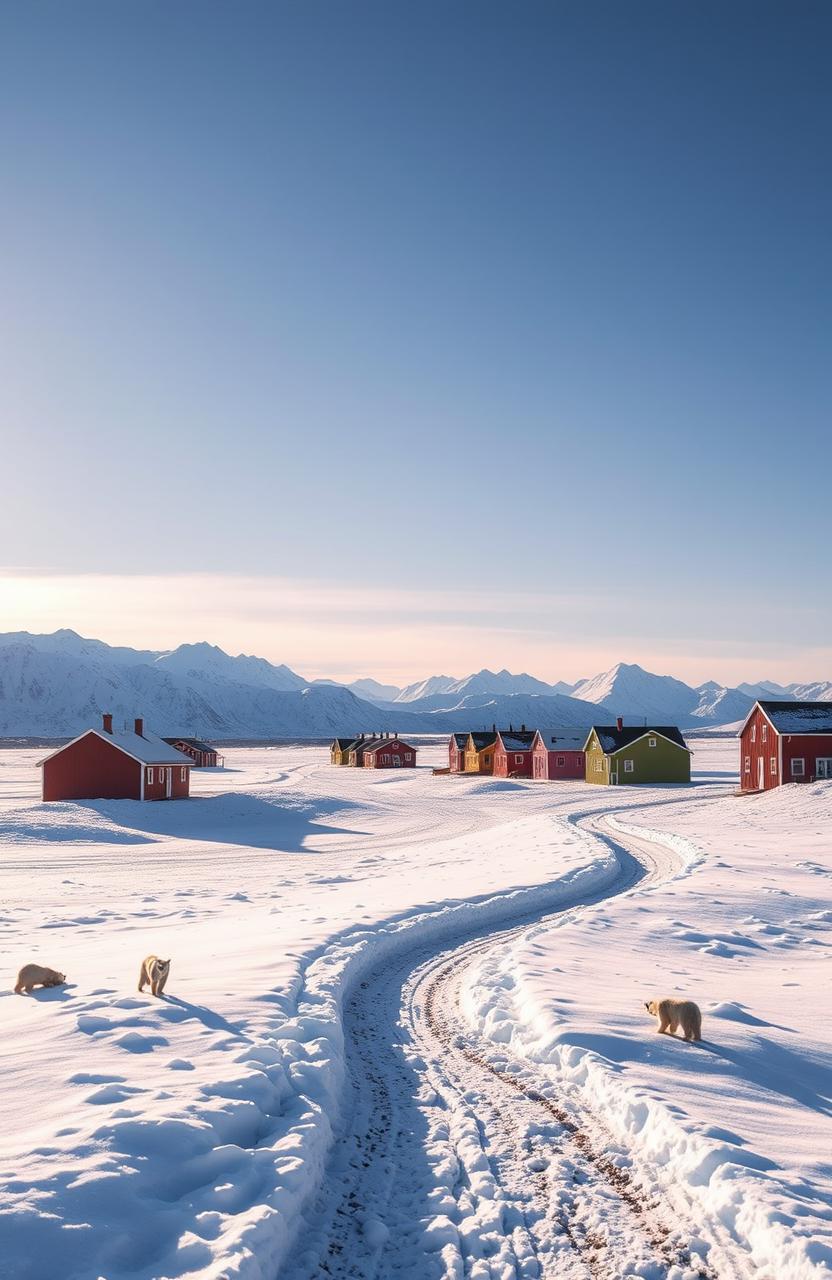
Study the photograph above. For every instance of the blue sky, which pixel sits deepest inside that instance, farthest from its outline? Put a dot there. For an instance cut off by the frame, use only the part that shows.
(432, 304)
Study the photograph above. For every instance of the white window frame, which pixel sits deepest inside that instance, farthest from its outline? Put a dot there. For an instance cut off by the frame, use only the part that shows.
(747, 766)
(753, 733)
(408, 755)
(560, 761)
(764, 727)
(651, 742)
(772, 765)
(183, 773)
(518, 759)
(396, 761)
(150, 777)
(798, 772)
(629, 766)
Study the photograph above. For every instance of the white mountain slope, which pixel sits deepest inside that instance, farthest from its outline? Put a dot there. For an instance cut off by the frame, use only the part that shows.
(207, 662)
(546, 712)
(424, 688)
(630, 691)
(820, 691)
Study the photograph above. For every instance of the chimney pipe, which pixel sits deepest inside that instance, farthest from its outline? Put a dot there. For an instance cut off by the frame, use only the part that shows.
(139, 728)
(107, 717)
(522, 728)
(619, 724)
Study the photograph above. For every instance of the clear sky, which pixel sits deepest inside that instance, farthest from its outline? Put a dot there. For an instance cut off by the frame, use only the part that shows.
(390, 338)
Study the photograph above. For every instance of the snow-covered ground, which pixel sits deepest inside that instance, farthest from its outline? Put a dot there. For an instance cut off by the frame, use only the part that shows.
(188, 1136)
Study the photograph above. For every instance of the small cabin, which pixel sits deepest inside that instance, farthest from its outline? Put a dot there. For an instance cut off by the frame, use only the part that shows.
(513, 753)
(116, 764)
(203, 754)
(339, 750)
(456, 752)
(559, 756)
(389, 752)
(785, 742)
(479, 752)
(619, 756)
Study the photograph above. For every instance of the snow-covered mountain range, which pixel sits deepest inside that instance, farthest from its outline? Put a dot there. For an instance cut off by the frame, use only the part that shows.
(57, 685)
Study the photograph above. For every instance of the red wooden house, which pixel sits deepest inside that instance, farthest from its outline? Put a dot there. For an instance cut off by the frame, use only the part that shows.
(785, 742)
(113, 764)
(456, 752)
(203, 754)
(560, 755)
(513, 753)
(389, 753)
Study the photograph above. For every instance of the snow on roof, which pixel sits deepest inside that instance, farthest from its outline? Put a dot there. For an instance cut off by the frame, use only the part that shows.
(799, 717)
(148, 749)
(613, 739)
(385, 742)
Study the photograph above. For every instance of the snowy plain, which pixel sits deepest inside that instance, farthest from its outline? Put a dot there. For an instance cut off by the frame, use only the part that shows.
(189, 1136)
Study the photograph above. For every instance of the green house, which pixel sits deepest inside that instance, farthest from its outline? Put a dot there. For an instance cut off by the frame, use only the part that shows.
(617, 756)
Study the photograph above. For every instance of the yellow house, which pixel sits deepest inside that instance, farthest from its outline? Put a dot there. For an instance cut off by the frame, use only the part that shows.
(479, 752)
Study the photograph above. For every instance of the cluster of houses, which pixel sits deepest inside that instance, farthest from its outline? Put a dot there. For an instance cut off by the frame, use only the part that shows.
(779, 742)
(380, 751)
(124, 764)
(606, 754)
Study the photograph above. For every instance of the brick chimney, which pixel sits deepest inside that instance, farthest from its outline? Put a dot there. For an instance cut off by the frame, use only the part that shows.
(139, 728)
(619, 724)
(107, 718)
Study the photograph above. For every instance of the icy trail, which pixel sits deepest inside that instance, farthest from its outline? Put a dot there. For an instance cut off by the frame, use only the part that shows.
(458, 1159)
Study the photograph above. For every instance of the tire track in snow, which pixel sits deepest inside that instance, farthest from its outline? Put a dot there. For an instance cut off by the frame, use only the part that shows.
(529, 1190)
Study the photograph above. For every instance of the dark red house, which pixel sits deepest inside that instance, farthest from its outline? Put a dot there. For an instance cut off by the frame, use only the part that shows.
(203, 754)
(513, 753)
(389, 753)
(785, 742)
(116, 764)
(456, 752)
(560, 755)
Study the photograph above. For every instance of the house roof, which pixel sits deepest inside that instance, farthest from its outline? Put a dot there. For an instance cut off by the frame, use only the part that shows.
(341, 744)
(385, 742)
(521, 741)
(798, 717)
(361, 744)
(563, 739)
(460, 739)
(196, 743)
(147, 749)
(482, 740)
(613, 739)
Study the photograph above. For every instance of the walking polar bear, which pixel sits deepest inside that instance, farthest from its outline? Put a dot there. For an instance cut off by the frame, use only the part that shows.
(672, 1013)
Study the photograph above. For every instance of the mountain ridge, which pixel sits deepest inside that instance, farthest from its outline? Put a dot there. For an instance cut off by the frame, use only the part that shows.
(58, 684)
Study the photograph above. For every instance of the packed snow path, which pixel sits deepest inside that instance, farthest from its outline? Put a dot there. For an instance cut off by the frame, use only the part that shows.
(457, 1159)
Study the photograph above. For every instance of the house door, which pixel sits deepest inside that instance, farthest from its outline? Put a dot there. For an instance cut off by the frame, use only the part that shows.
(613, 777)
(823, 767)
(168, 783)
(761, 774)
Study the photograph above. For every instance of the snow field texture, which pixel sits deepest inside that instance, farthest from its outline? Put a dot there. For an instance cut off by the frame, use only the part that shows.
(182, 1136)
(551, 1001)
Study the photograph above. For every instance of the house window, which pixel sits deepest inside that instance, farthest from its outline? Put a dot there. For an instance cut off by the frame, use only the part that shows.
(773, 764)
(753, 733)
(765, 727)
(599, 765)
(628, 766)
(385, 759)
(518, 759)
(408, 757)
(150, 776)
(798, 767)
(747, 766)
(561, 762)
(651, 742)
(182, 774)
(397, 762)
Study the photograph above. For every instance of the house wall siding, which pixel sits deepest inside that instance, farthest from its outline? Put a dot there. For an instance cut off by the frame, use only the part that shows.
(91, 769)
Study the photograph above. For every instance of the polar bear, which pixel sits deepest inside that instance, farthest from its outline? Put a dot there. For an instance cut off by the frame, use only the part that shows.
(672, 1013)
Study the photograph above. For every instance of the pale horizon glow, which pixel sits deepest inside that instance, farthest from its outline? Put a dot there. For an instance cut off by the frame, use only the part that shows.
(341, 631)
